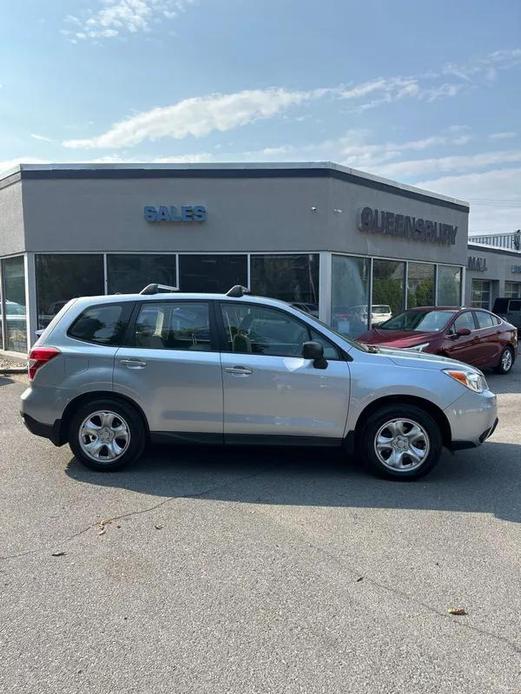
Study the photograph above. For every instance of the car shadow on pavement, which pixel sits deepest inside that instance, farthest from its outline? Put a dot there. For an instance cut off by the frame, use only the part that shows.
(485, 480)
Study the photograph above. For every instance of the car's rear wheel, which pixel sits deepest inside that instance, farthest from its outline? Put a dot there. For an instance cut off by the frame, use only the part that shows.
(506, 361)
(106, 434)
(401, 441)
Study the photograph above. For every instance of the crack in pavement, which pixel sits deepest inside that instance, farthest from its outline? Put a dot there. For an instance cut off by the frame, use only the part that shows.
(410, 599)
(129, 514)
(355, 572)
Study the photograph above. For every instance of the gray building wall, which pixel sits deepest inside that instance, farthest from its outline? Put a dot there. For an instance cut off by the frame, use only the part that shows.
(499, 269)
(12, 238)
(251, 214)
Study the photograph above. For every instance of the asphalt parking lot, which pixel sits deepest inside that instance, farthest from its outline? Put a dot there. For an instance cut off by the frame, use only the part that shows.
(205, 570)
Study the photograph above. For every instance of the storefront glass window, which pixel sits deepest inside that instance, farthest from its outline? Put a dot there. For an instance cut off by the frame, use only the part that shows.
(420, 285)
(13, 271)
(388, 289)
(350, 295)
(1, 311)
(130, 273)
(449, 285)
(62, 277)
(212, 273)
(292, 278)
(513, 290)
(480, 294)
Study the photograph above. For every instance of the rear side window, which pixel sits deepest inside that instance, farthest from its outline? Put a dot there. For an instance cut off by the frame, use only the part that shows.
(515, 306)
(485, 320)
(103, 325)
(174, 325)
(500, 306)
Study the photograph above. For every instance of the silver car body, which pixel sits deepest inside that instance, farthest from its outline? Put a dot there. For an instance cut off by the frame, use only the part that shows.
(224, 396)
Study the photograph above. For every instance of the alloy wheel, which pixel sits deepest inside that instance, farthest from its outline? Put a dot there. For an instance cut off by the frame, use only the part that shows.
(401, 444)
(104, 436)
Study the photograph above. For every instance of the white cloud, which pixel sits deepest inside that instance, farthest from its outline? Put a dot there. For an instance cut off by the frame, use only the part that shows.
(119, 17)
(494, 196)
(503, 136)
(41, 138)
(197, 116)
(486, 67)
(451, 164)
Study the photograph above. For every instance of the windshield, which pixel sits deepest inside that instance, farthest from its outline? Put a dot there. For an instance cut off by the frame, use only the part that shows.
(419, 321)
(381, 309)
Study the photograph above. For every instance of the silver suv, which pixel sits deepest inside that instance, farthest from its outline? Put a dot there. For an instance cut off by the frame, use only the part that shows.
(112, 372)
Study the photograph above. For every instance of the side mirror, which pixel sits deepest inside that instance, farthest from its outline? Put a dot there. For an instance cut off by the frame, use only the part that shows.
(315, 351)
(463, 332)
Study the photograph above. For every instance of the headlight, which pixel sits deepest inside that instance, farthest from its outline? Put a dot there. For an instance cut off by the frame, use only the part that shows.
(420, 348)
(471, 379)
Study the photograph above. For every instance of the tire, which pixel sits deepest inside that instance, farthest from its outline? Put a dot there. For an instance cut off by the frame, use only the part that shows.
(506, 361)
(394, 424)
(122, 438)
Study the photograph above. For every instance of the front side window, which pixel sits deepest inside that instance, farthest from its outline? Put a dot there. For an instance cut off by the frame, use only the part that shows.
(103, 325)
(466, 320)
(485, 320)
(260, 330)
(420, 321)
(173, 325)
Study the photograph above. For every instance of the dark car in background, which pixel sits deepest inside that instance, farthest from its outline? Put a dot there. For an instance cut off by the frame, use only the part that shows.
(471, 335)
(509, 309)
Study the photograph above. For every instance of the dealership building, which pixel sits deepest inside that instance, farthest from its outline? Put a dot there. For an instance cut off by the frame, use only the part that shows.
(342, 244)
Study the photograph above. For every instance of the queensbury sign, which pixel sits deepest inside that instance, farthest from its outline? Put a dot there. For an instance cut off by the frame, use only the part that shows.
(403, 226)
(171, 213)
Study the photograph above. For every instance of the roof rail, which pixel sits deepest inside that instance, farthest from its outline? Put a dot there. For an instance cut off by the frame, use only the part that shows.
(158, 288)
(237, 290)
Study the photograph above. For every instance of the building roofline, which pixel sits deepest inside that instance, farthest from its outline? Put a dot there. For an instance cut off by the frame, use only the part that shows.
(229, 170)
(493, 249)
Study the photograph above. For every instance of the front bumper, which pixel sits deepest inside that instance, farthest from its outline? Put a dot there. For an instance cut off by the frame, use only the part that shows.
(472, 418)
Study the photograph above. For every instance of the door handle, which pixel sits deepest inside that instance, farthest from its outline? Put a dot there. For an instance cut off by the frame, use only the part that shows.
(133, 363)
(238, 370)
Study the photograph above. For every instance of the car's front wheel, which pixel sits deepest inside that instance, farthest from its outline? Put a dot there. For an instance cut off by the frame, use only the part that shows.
(106, 434)
(506, 361)
(401, 441)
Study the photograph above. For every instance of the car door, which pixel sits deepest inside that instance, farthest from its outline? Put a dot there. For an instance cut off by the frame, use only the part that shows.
(489, 343)
(462, 347)
(270, 391)
(172, 369)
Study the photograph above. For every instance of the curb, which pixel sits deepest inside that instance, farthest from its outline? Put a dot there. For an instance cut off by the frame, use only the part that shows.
(14, 370)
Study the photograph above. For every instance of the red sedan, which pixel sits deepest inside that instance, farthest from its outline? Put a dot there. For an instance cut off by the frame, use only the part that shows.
(474, 336)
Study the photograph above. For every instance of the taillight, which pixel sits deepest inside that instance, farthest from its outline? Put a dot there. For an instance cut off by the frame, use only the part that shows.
(40, 356)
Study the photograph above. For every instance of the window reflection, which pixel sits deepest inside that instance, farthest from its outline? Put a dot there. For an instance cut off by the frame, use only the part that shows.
(212, 273)
(292, 278)
(388, 287)
(449, 285)
(420, 285)
(129, 273)
(350, 295)
(65, 276)
(13, 270)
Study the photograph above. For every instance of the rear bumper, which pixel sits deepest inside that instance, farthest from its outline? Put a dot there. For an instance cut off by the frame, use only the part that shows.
(473, 419)
(47, 431)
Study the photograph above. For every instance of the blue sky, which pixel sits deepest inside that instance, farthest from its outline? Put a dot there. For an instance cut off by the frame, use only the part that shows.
(427, 93)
